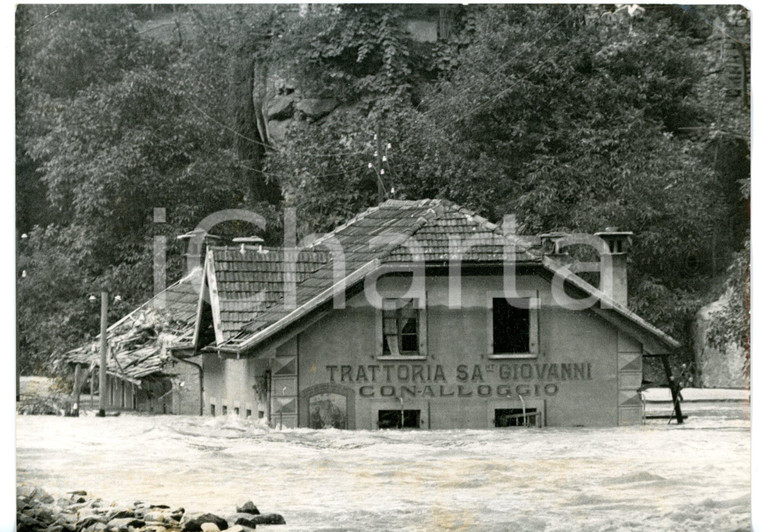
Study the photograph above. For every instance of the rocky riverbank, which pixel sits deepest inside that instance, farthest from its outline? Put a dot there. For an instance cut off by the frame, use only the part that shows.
(37, 510)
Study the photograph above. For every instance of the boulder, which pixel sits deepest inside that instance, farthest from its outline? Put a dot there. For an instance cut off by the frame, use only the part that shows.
(95, 527)
(120, 513)
(247, 508)
(44, 516)
(77, 492)
(123, 524)
(281, 107)
(316, 108)
(67, 523)
(65, 518)
(268, 519)
(244, 519)
(89, 520)
(41, 496)
(158, 517)
(193, 522)
(25, 522)
(209, 527)
(240, 528)
(54, 528)
(21, 503)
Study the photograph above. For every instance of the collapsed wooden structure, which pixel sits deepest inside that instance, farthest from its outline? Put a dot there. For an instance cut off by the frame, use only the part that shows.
(143, 373)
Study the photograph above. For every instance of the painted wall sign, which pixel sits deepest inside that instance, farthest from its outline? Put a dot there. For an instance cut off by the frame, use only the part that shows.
(507, 380)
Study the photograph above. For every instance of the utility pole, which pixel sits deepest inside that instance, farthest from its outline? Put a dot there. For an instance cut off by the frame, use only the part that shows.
(380, 158)
(103, 353)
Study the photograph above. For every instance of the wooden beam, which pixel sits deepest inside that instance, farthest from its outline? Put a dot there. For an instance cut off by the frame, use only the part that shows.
(673, 390)
(77, 388)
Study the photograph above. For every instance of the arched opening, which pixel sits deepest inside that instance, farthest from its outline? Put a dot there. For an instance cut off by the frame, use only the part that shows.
(327, 406)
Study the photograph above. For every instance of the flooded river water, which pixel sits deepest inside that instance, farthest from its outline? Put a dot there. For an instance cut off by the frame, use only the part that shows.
(653, 477)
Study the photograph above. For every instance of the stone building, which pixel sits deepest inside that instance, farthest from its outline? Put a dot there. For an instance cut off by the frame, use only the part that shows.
(421, 314)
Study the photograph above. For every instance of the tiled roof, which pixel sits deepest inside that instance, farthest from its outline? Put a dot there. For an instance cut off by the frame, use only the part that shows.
(138, 341)
(458, 233)
(432, 228)
(248, 283)
(379, 234)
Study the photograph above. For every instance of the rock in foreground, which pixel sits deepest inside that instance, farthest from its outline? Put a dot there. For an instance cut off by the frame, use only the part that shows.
(247, 508)
(38, 511)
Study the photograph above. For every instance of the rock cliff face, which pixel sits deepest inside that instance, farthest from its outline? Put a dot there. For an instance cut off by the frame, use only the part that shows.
(286, 108)
(716, 368)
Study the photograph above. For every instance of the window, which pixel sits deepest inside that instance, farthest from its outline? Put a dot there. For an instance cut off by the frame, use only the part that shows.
(237, 411)
(224, 410)
(401, 323)
(248, 412)
(398, 419)
(213, 410)
(515, 417)
(513, 327)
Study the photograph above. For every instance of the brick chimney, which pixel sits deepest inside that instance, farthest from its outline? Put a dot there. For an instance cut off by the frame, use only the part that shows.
(195, 248)
(613, 267)
(552, 249)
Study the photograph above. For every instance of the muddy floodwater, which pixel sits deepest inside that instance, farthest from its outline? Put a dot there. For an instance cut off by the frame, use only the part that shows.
(653, 477)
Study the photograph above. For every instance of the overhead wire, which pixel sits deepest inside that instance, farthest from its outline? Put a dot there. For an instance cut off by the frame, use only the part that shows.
(225, 126)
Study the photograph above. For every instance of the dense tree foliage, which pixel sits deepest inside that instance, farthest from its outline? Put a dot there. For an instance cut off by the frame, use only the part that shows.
(573, 117)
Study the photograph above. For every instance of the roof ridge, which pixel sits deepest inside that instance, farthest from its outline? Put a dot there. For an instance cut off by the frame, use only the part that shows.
(497, 229)
(478, 218)
(370, 210)
(392, 202)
